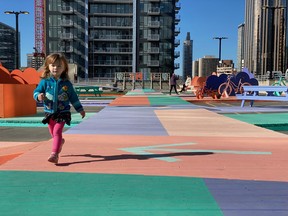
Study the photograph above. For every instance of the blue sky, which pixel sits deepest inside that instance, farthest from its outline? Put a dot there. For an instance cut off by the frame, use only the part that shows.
(204, 19)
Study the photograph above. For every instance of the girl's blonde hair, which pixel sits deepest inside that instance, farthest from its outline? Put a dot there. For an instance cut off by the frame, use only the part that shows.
(51, 59)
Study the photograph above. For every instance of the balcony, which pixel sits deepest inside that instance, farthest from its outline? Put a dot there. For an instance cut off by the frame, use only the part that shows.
(176, 43)
(113, 63)
(153, 63)
(111, 37)
(177, 19)
(177, 6)
(176, 66)
(153, 50)
(67, 49)
(153, 11)
(176, 54)
(153, 37)
(115, 25)
(154, 24)
(112, 50)
(177, 31)
(66, 10)
(66, 23)
(66, 36)
(112, 1)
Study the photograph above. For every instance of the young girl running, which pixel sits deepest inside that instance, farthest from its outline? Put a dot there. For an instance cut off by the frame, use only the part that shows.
(57, 92)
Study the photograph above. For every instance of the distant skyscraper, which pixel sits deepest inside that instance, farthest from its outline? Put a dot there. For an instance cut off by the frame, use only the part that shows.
(7, 46)
(265, 36)
(240, 48)
(109, 36)
(187, 56)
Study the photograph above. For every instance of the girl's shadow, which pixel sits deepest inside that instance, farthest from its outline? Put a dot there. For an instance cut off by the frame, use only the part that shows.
(100, 158)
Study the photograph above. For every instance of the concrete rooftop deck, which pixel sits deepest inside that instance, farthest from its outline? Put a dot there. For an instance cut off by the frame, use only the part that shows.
(151, 154)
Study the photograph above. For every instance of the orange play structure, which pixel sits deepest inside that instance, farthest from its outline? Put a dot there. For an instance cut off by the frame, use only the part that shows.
(16, 92)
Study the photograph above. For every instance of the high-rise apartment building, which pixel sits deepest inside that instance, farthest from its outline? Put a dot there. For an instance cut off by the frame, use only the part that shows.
(265, 36)
(7, 46)
(187, 56)
(104, 37)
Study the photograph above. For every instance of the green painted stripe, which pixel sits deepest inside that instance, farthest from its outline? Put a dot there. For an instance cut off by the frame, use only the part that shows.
(271, 121)
(46, 193)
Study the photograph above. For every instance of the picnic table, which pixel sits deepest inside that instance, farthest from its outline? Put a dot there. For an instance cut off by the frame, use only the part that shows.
(88, 91)
(269, 93)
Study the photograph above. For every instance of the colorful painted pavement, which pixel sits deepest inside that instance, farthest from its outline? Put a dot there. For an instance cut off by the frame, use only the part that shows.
(150, 154)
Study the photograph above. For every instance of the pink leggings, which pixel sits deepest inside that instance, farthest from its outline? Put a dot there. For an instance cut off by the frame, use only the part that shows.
(56, 129)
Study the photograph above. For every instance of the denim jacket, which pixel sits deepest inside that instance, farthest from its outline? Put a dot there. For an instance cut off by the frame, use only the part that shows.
(58, 95)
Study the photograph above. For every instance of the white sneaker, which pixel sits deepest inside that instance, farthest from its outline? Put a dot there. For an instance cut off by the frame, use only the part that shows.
(53, 158)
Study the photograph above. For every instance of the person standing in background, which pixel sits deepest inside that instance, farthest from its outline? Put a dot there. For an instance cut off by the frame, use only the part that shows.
(173, 82)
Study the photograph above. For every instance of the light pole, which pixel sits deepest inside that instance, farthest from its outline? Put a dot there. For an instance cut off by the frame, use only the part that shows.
(17, 34)
(220, 45)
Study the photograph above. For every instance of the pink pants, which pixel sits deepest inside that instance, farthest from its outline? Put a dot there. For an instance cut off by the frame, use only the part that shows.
(56, 130)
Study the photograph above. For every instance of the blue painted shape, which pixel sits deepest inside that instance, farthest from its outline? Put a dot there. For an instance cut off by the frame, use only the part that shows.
(144, 150)
(122, 121)
(250, 198)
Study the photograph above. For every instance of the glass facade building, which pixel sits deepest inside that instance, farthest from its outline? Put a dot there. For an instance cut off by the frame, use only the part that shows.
(66, 31)
(104, 37)
(7, 46)
(265, 36)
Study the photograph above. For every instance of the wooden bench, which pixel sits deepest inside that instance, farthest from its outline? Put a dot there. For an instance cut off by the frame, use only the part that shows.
(88, 90)
(264, 93)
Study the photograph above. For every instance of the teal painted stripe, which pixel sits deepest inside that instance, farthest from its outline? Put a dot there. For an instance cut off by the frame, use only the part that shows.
(218, 151)
(261, 118)
(36, 121)
(141, 92)
(148, 90)
(166, 100)
(28, 125)
(74, 194)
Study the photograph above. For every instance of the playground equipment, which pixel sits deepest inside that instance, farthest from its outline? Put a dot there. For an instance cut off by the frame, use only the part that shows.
(16, 90)
(207, 87)
(234, 84)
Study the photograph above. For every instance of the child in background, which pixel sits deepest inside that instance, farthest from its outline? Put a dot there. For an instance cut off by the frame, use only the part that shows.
(57, 92)
(186, 84)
